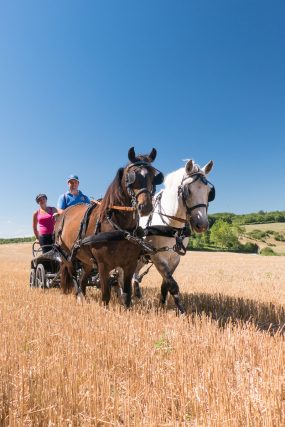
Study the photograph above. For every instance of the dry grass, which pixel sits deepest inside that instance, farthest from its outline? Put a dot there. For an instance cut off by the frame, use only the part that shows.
(62, 364)
(274, 226)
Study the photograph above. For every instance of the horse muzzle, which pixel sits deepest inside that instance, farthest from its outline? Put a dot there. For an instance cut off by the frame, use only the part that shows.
(199, 225)
(144, 202)
(144, 208)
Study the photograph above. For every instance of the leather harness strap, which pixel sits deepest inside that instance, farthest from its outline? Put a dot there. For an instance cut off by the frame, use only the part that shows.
(176, 218)
(118, 208)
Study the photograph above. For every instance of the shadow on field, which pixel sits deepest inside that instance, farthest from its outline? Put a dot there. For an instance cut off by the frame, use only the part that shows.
(221, 308)
(224, 309)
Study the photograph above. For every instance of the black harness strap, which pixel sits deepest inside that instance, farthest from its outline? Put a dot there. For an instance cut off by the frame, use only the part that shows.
(166, 231)
(82, 231)
(178, 234)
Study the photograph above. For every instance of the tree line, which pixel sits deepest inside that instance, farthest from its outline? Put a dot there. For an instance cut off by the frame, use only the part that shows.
(260, 217)
(17, 240)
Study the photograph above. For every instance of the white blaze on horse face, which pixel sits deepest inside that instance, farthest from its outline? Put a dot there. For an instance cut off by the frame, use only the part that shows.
(144, 200)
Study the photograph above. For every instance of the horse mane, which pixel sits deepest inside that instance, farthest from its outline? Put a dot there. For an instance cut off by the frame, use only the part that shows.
(114, 194)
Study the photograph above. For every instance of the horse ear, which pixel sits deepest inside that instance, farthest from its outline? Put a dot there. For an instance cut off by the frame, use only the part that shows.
(189, 167)
(208, 167)
(152, 155)
(132, 155)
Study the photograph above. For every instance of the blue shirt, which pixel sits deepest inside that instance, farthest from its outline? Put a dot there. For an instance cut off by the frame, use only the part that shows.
(68, 199)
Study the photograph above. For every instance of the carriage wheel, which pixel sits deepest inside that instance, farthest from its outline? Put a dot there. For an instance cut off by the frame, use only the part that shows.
(40, 281)
(32, 278)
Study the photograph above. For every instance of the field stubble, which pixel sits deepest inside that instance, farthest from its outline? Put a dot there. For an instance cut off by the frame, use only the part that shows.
(63, 364)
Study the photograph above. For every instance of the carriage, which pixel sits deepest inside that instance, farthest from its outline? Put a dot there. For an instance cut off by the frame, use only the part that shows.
(45, 269)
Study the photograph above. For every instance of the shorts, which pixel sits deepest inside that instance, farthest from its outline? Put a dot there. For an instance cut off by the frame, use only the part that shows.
(46, 240)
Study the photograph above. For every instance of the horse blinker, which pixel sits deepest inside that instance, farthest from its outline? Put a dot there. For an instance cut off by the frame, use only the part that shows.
(130, 177)
(158, 179)
(212, 194)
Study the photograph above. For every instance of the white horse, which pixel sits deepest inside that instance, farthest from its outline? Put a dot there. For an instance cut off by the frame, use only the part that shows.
(180, 207)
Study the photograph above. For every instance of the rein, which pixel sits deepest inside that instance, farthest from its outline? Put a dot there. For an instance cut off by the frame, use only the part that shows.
(147, 247)
(118, 208)
(175, 218)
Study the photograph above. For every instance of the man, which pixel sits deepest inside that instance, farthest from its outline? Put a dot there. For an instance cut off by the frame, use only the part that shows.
(73, 196)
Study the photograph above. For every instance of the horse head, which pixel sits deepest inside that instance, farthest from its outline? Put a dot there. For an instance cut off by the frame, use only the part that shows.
(133, 185)
(196, 193)
(140, 179)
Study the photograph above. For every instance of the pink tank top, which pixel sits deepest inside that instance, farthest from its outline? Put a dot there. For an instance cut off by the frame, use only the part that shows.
(46, 222)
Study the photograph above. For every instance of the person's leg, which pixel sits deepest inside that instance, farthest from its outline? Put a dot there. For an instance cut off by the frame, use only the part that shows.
(46, 240)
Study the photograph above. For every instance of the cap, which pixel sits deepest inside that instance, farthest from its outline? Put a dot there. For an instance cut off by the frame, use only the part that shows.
(39, 196)
(73, 177)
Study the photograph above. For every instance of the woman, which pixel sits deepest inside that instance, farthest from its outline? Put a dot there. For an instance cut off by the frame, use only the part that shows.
(43, 223)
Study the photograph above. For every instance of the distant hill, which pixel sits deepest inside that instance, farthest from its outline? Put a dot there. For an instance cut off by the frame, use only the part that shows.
(260, 217)
(266, 235)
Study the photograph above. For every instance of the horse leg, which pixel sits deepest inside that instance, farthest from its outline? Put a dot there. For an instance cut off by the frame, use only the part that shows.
(127, 291)
(104, 282)
(174, 291)
(166, 268)
(116, 280)
(83, 279)
(164, 292)
(136, 280)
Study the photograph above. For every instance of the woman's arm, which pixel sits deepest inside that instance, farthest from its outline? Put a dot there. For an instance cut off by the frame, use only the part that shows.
(35, 224)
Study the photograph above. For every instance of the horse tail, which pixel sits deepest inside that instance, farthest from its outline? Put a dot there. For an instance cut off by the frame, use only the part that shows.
(66, 280)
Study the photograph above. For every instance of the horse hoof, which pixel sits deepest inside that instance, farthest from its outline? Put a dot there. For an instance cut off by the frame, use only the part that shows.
(125, 300)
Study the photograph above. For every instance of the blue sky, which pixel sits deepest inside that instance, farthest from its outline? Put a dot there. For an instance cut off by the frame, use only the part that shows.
(82, 81)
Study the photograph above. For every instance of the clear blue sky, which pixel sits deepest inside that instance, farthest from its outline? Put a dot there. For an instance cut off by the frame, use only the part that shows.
(82, 81)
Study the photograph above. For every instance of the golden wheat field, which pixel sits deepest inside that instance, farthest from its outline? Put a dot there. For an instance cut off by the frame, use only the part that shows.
(64, 364)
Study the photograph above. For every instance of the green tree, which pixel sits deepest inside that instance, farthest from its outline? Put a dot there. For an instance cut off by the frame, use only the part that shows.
(224, 235)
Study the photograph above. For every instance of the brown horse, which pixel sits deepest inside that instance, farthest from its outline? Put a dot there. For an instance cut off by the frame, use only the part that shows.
(103, 235)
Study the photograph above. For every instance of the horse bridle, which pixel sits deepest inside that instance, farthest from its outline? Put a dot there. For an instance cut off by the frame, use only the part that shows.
(181, 192)
(131, 177)
(182, 189)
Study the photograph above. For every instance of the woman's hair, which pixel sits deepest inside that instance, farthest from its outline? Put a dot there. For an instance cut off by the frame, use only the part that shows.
(39, 196)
